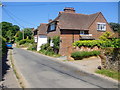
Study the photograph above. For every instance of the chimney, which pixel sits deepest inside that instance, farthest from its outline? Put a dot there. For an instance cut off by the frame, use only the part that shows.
(50, 20)
(69, 10)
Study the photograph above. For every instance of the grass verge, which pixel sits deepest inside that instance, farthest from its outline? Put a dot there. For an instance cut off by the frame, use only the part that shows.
(15, 71)
(109, 73)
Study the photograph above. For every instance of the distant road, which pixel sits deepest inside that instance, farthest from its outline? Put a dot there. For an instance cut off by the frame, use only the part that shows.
(43, 72)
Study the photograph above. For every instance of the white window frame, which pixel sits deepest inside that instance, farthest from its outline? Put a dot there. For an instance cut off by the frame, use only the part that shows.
(52, 26)
(101, 26)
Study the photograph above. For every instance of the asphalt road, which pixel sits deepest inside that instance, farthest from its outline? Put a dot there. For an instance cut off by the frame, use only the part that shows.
(43, 72)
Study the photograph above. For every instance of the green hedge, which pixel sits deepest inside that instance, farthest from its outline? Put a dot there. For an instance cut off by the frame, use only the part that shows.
(84, 54)
(25, 41)
(115, 43)
(3, 48)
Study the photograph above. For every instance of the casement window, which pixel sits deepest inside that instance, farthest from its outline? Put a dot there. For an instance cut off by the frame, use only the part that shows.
(52, 26)
(101, 26)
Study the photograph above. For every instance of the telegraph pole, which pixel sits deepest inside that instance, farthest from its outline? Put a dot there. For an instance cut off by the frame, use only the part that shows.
(1, 5)
(23, 34)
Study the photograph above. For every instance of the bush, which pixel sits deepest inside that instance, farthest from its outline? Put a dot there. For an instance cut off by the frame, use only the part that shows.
(48, 50)
(26, 41)
(100, 43)
(3, 47)
(56, 42)
(45, 46)
(32, 47)
(84, 54)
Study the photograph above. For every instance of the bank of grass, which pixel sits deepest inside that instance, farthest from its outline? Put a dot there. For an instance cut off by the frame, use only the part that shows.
(49, 53)
(109, 73)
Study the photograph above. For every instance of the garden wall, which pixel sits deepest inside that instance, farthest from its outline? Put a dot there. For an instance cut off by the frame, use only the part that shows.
(112, 59)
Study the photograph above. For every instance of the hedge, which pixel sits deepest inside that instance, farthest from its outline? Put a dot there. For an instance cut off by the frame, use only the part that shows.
(115, 43)
(25, 41)
(83, 54)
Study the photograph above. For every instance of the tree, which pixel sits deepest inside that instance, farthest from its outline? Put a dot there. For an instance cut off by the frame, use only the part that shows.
(9, 28)
(28, 33)
(115, 26)
(105, 36)
(19, 36)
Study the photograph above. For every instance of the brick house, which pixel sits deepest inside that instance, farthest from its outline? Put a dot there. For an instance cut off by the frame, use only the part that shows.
(72, 26)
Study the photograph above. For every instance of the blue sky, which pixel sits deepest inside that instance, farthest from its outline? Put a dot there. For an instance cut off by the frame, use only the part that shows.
(31, 14)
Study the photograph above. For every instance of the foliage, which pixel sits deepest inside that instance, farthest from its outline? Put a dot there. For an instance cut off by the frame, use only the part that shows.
(26, 41)
(115, 43)
(115, 26)
(3, 48)
(28, 33)
(9, 30)
(56, 42)
(84, 54)
(48, 50)
(105, 36)
(45, 46)
(19, 36)
(109, 73)
(32, 47)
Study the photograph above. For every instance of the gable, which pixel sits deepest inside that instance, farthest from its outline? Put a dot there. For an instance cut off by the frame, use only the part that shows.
(100, 19)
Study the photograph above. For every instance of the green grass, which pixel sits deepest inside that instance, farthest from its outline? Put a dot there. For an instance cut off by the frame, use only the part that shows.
(109, 73)
(49, 53)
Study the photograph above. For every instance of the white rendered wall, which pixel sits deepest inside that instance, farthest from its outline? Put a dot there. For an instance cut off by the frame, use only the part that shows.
(42, 39)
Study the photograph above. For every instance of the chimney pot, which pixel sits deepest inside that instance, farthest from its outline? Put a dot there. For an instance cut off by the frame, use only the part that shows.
(69, 9)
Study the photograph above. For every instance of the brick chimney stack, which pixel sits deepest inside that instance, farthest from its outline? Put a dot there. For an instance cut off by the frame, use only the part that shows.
(69, 10)
(50, 20)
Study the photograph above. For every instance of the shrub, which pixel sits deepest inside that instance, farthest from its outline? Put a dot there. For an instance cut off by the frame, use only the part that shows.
(45, 46)
(26, 41)
(100, 43)
(56, 42)
(84, 54)
(3, 47)
(32, 47)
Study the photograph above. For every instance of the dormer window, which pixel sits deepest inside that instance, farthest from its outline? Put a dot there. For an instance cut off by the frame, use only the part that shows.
(52, 26)
(101, 26)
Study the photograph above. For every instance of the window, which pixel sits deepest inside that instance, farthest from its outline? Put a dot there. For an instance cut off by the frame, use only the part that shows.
(52, 26)
(83, 32)
(101, 26)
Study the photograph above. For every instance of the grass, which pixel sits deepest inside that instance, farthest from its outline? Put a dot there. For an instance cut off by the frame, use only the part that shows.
(49, 53)
(15, 71)
(109, 73)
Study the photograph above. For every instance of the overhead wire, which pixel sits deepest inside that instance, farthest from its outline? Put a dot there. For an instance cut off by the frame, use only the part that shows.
(53, 3)
(12, 17)
(19, 18)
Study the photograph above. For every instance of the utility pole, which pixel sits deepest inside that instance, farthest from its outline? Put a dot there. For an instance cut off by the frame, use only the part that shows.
(23, 34)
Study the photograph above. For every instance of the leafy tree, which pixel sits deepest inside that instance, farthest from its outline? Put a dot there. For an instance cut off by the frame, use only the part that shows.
(9, 28)
(115, 26)
(28, 33)
(105, 36)
(19, 36)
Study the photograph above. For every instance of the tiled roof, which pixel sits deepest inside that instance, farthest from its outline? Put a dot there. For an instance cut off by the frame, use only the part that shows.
(75, 20)
(42, 29)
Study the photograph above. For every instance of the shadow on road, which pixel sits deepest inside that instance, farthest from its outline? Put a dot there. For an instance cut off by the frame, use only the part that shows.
(5, 66)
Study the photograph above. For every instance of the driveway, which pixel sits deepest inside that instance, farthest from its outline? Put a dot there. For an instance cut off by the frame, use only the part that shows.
(41, 71)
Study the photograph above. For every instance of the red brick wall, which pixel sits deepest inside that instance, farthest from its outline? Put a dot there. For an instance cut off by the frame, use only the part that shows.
(67, 38)
(93, 28)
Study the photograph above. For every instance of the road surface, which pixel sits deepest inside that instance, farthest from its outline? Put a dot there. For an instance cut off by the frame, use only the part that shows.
(43, 72)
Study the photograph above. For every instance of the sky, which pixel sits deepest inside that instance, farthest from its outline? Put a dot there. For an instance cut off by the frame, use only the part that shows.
(31, 14)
